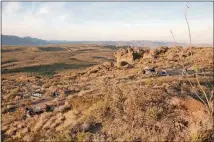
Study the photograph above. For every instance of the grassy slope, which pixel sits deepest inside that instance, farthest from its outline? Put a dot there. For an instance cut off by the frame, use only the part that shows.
(112, 104)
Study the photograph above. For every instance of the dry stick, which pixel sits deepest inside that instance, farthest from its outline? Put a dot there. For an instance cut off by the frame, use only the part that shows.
(173, 37)
(210, 107)
(190, 81)
(190, 40)
(187, 74)
(212, 94)
(208, 80)
(210, 99)
(196, 92)
(191, 50)
(202, 89)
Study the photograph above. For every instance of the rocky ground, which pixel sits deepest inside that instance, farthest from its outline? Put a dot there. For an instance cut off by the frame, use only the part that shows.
(116, 101)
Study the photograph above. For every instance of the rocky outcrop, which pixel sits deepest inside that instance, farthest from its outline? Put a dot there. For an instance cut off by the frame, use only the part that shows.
(127, 56)
(158, 51)
(124, 56)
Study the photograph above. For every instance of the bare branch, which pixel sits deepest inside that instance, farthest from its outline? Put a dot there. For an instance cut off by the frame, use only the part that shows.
(190, 40)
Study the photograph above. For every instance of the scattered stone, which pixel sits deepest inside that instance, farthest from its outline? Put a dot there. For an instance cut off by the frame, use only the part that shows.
(37, 95)
(18, 98)
(28, 138)
(35, 87)
(108, 64)
(85, 127)
(164, 73)
(40, 90)
(38, 110)
(26, 96)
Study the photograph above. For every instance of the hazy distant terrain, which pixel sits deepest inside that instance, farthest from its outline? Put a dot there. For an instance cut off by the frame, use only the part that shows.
(15, 40)
(51, 58)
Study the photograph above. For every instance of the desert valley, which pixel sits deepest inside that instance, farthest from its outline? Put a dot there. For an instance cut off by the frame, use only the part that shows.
(91, 92)
(118, 71)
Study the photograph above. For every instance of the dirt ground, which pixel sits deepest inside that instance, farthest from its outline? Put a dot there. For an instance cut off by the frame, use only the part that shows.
(53, 58)
(101, 101)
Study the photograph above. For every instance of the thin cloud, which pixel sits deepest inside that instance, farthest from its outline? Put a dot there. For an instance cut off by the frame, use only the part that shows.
(11, 8)
(43, 11)
(112, 21)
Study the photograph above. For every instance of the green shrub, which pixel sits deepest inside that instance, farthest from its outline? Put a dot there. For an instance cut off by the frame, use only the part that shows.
(13, 93)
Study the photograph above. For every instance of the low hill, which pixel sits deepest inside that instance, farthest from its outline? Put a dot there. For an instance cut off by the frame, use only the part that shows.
(15, 40)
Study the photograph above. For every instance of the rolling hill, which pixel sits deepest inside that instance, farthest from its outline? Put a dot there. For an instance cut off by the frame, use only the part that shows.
(16, 40)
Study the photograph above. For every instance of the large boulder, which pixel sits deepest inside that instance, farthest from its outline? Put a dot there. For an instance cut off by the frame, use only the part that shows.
(159, 51)
(125, 55)
(154, 53)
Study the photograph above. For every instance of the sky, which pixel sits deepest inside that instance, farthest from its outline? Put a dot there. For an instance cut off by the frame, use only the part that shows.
(109, 20)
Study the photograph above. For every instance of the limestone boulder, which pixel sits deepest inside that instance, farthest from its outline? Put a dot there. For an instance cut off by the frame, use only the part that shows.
(124, 55)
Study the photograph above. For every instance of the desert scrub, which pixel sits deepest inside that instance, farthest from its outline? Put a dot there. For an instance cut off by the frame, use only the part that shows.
(115, 101)
(196, 137)
(82, 136)
(13, 93)
(51, 136)
(94, 113)
(9, 61)
(203, 134)
(159, 82)
(153, 114)
(84, 102)
(11, 117)
(148, 81)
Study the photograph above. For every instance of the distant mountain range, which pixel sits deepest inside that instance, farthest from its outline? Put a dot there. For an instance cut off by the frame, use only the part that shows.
(15, 40)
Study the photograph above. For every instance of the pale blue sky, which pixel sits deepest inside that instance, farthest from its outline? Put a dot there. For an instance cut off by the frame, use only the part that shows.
(108, 20)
